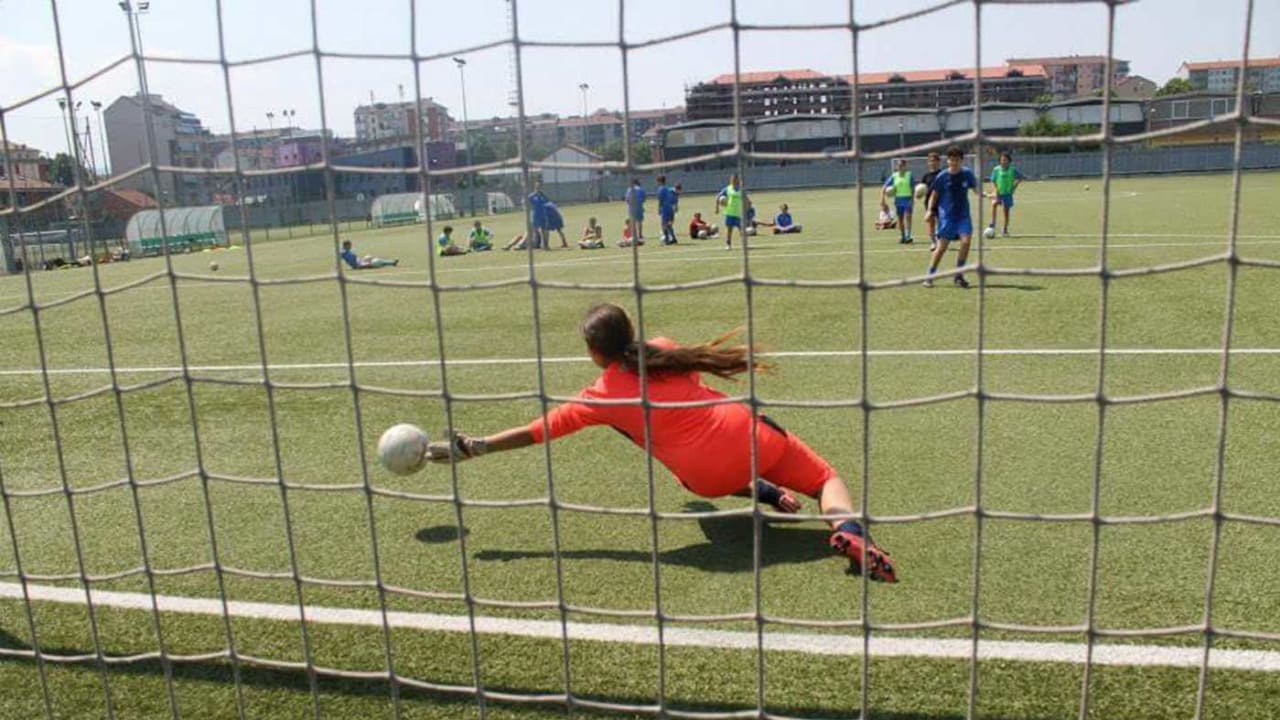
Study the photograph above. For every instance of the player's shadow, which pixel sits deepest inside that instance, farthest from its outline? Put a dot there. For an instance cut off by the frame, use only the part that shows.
(728, 548)
(438, 534)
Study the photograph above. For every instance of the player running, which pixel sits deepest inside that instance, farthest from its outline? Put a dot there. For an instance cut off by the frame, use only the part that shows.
(950, 201)
(708, 448)
(1005, 179)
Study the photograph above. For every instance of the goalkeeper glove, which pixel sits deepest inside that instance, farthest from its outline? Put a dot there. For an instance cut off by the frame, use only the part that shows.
(458, 447)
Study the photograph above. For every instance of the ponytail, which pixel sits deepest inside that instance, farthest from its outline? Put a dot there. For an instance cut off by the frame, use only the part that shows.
(715, 357)
(609, 333)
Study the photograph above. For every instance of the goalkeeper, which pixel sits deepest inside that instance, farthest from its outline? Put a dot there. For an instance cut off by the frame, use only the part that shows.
(708, 448)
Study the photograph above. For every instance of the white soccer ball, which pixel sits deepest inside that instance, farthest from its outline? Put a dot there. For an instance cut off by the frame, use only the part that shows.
(921, 189)
(213, 265)
(989, 233)
(1086, 187)
(402, 449)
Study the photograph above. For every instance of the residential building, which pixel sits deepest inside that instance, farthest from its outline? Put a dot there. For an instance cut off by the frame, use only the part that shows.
(948, 87)
(807, 92)
(1220, 76)
(26, 161)
(593, 131)
(181, 141)
(768, 93)
(379, 120)
(1134, 87)
(1074, 75)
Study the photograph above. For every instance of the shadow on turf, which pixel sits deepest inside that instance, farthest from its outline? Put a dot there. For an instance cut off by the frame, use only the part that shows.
(727, 550)
(438, 534)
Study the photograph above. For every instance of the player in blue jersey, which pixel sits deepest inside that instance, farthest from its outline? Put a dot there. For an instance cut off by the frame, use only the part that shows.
(949, 199)
(367, 262)
(538, 216)
(635, 207)
(934, 166)
(667, 200)
(1005, 179)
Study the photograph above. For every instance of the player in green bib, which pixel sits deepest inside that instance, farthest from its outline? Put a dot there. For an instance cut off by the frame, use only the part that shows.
(1005, 178)
(732, 199)
(900, 186)
(480, 238)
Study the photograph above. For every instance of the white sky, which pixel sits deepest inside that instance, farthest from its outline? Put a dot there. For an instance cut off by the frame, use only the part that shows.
(1155, 35)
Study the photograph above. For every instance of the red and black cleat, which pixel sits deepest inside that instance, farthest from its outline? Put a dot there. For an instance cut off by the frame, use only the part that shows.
(850, 544)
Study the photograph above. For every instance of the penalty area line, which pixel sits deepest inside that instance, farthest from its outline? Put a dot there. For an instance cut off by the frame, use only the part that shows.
(808, 643)
(560, 359)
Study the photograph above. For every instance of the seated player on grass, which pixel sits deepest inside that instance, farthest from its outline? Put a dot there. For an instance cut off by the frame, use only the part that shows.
(783, 224)
(592, 235)
(367, 262)
(480, 238)
(444, 243)
(886, 219)
(700, 229)
(707, 448)
(628, 237)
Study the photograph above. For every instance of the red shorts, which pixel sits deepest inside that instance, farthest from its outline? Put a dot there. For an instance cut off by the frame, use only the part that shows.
(800, 468)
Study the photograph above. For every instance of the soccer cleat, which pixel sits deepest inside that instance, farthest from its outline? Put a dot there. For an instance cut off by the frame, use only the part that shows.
(928, 283)
(851, 541)
(961, 282)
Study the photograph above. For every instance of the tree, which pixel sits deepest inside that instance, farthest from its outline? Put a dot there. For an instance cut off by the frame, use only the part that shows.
(1045, 126)
(63, 170)
(1175, 86)
(641, 152)
(1043, 99)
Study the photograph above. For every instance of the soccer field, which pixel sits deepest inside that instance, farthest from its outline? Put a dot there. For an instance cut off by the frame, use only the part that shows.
(271, 469)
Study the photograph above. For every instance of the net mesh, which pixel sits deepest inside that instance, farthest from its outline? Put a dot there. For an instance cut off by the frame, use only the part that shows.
(865, 625)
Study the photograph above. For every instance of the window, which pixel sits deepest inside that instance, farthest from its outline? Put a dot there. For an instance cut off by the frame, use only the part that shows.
(1221, 106)
(1180, 109)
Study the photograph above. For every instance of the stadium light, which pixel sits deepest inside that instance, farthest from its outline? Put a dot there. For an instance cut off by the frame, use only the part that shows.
(584, 88)
(102, 137)
(466, 133)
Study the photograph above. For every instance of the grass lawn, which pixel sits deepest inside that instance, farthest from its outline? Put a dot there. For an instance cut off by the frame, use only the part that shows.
(344, 526)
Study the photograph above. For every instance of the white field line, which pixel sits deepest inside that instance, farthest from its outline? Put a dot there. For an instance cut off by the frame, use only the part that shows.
(797, 354)
(809, 643)
(711, 251)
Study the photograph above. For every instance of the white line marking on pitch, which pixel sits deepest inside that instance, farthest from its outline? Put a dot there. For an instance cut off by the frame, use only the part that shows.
(799, 354)
(810, 643)
(712, 252)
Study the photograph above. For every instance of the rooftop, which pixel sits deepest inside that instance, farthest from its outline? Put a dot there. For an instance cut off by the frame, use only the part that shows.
(1224, 64)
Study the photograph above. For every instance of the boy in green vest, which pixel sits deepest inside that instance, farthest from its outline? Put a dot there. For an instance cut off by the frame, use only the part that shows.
(900, 186)
(731, 198)
(1006, 178)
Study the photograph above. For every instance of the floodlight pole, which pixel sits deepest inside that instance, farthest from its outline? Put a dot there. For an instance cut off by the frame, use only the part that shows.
(102, 137)
(466, 133)
(62, 105)
(584, 88)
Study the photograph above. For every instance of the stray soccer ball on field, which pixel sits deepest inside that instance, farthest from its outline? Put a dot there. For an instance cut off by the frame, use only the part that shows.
(989, 233)
(402, 449)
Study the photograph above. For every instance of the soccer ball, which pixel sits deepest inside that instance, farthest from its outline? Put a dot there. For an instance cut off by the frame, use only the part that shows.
(989, 233)
(921, 189)
(1086, 187)
(213, 265)
(402, 449)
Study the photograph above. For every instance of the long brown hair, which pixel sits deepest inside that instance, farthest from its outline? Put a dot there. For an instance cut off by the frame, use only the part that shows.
(608, 331)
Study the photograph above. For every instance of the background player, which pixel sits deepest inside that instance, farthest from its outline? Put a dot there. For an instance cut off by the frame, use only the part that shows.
(667, 200)
(731, 198)
(900, 187)
(1005, 179)
(930, 220)
(950, 201)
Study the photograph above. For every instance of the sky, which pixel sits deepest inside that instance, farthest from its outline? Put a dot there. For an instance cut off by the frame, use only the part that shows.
(1156, 36)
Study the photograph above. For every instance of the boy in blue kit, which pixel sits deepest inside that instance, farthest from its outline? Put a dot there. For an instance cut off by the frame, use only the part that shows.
(363, 263)
(1005, 178)
(667, 200)
(538, 215)
(900, 187)
(635, 207)
(949, 199)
